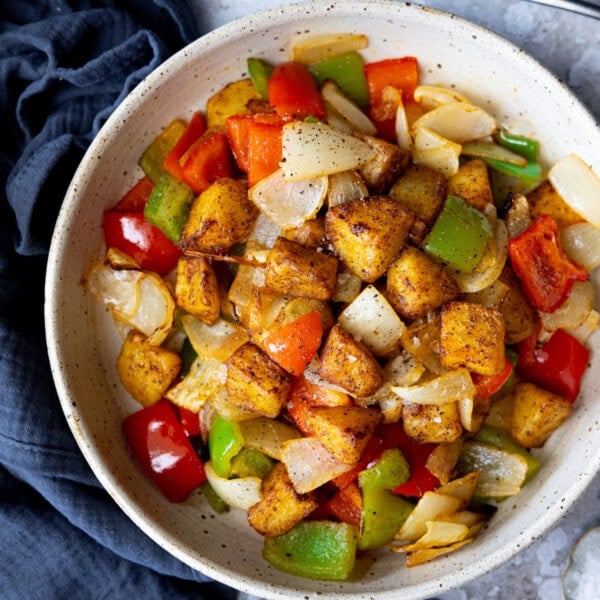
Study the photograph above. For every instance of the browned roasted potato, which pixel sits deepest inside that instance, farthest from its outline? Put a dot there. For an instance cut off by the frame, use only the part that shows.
(146, 370)
(368, 233)
(422, 340)
(255, 382)
(343, 430)
(536, 414)
(472, 183)
(544, 199)
(387, 165)
(432, 423)
(349, 364)
(280, 507)
(311, 233)
(300, 271)
(442, 460)
(197, 289)
(233, 99)
(520, 317)
(298, 307)
(472, 336)
(219, 217)
(416, 284)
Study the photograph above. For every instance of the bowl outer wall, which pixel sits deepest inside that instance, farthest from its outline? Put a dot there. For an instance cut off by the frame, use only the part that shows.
(83, 342)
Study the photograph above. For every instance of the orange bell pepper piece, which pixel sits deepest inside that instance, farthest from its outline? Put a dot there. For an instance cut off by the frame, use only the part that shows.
(195, 128)
(135, 199)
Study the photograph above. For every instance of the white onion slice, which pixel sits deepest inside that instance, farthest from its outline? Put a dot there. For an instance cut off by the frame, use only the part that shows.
(118, 289)
(241, 492)
(591, 324)
(316, 149)
(265, 231)
(493, 151)
(309, 464)
(431, 96)
(458, 121)
(465, 411)
(345, 107)
(267, 435)
(347, 287)
(448, 387)
(315, 48)
(402, 129)
(289, 203)
(435, 151)
(344, 186)
(578, 186)
(581, 241)
(574, 311)
(217, 341)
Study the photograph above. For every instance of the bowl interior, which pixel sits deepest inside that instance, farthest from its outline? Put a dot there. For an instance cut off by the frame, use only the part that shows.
(83, 342)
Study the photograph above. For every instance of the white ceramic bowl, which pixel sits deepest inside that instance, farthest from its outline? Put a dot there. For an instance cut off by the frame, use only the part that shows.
(83, 343)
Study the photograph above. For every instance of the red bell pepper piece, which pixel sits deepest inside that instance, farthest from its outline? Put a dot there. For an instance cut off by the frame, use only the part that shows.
(293, 92)
(544, 269)
(159, 443)
(190, 421)
(558, 365)
(488, 385)
(372, 450)
(135, 199)
(294, 345)
(399, 73)
(205, 161)
(346, 505)
(298, 405)
(130, 233)
(196, 127)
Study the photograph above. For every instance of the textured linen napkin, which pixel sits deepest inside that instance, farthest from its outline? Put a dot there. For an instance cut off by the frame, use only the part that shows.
(64, 66)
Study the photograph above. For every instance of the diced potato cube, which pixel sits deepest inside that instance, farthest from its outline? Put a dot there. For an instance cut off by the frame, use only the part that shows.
(281, 507)
(197, 289)
(368, 233)
(417, 285)
(146, 370)
(349, 364)
(219, 217)
(536, 414)
(343, 430)
(300, 271)
(472, 183)
(520, 317)
(472, 336)
(233, 99)
(432, 423)
(544, 199)
(311, 233)
(255, 382)
(386, 166)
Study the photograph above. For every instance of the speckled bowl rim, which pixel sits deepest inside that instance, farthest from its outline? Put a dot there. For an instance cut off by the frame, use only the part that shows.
(53, 304)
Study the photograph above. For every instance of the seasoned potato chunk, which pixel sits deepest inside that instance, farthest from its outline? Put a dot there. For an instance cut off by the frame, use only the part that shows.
(233, 99)
(311, 233)
(146, 370)
(472, 183)
(544, 199)
(520, 317)
(536, 414)
(300, 271)
(416, 284)
(255, 382)
(368, 233)
(219, 217)
(343, 430)
(432, 423)
(280, 507)
(197, 290)
(386, 166)
(472, 336)
(348, 363)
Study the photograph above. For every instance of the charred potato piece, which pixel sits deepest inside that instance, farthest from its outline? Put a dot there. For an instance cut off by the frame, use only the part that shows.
(472, 183)
(544, 199)
(197, 289)
(348, 363)
(368, 233)
(295, 269)
(255, 382)
(281, 507)
(233, 99)
(536, 414)
(387, 165)
(432, 423)
(343, 430)
(417, 285)
(219, 217)
(520, 318)
(472, 336)
(146, 371)
(311, 233)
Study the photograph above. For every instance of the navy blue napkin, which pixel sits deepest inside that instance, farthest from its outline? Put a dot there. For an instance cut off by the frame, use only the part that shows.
(64, 67)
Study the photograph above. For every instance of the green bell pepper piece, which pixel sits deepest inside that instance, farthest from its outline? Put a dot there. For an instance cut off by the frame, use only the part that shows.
(225, 440)
(217, 503)
(314, 549)
(250, 462)
(383, 513)
(530, 174)
(521, 145)
(459, 235)
(347, 70)
(154, 155)
(168, 206)
(259, 72)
